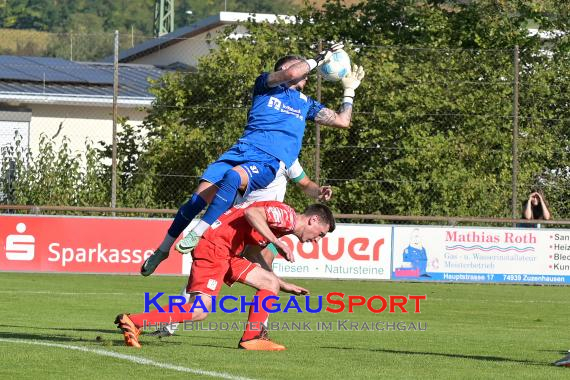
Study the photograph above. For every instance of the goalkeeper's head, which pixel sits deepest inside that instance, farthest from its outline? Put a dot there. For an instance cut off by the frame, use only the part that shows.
(286, 62)
(283, 62)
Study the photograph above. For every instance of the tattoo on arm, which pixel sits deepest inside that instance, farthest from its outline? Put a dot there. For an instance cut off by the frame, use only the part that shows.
(346, 109)
(331, 118)
(326, 116)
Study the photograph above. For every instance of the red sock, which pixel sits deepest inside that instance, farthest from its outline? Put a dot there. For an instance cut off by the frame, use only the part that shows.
(155, 317)
(254, 319)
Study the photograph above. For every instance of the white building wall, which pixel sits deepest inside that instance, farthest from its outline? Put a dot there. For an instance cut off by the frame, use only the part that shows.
(186, 51)
(78, 123)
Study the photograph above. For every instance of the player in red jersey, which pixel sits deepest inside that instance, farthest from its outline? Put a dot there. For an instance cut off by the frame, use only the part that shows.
(216, 259)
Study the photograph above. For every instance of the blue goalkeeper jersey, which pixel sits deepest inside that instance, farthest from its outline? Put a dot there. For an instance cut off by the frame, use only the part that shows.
(277, 119)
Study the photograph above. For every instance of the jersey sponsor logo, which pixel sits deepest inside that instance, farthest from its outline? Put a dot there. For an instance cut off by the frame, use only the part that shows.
(274, 103)
(279, 106)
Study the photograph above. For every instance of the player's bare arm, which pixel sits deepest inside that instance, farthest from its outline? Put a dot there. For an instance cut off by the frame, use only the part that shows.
(257, 219)
(321, 193)
(297, 70)
(340, 119)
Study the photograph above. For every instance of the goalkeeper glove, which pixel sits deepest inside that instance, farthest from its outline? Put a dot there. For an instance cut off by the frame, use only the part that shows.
(351, 82)
(324, 56)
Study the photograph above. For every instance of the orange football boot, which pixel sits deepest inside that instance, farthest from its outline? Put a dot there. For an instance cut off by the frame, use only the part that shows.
(261, 343)
(130, 331)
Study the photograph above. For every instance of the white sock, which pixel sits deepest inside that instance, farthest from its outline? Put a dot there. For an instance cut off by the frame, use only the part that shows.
(200, 228)
(174, 326)
(167, 243)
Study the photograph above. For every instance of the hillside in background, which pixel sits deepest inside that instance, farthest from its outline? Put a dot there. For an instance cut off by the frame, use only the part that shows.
(107, 15)
(23, 42)
(83, 29)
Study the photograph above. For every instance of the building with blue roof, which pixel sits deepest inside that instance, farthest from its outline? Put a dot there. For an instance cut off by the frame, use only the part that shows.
(60, 98)
(184, 46)
(57, 97)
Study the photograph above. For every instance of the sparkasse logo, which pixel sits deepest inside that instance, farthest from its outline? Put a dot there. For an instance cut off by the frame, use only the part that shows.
(20, 247)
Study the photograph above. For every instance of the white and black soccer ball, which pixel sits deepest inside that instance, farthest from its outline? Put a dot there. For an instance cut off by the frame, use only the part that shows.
(337, 67)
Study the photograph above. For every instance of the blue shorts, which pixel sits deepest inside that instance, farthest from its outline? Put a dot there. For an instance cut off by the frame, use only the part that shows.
(260, 166)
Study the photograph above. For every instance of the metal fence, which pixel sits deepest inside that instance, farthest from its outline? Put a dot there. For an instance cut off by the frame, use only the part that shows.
(436, 132)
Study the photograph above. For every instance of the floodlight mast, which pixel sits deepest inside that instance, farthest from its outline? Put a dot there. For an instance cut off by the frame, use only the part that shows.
(163, 17)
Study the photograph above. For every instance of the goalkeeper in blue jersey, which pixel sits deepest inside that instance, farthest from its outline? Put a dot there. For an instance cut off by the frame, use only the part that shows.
(273, 134)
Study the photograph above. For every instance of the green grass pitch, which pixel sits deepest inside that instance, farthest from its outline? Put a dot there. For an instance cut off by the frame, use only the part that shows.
(61, 326)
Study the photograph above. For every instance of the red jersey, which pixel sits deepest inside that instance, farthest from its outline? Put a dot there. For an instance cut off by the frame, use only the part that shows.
(233, 232)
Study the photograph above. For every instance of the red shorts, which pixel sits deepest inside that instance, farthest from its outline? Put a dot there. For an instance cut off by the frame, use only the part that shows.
(212, 265)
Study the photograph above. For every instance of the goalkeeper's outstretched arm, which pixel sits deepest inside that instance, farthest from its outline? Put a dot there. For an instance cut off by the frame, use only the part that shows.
(291, 73)
(341, 119)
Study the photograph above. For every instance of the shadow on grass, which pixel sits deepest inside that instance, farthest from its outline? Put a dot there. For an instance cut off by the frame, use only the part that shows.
(146, 339)
(39, 337)
(233, 348)
(446, 355)
(102, 331)
(191, 335)
(213, 336)
(561, 352)
(98, 341)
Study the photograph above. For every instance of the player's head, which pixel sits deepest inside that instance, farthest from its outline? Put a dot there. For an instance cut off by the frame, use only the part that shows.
(287, 61)
(319, 220)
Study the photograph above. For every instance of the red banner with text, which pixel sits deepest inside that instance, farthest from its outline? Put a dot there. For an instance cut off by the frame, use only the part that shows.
(81, 244)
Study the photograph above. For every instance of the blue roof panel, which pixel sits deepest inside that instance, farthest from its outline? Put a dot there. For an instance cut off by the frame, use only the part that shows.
(83, 78)
(41, 69)
(11, 72)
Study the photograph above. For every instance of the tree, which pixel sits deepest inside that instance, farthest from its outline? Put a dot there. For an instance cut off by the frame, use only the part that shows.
(433, 119)
(54, 176)
(432, 128)
(135, 182)
(57, 176)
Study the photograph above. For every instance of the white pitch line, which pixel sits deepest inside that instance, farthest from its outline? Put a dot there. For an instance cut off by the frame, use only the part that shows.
(131, 358)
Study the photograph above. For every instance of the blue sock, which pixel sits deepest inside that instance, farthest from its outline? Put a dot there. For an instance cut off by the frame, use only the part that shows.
(185, 214)
(224, 198)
